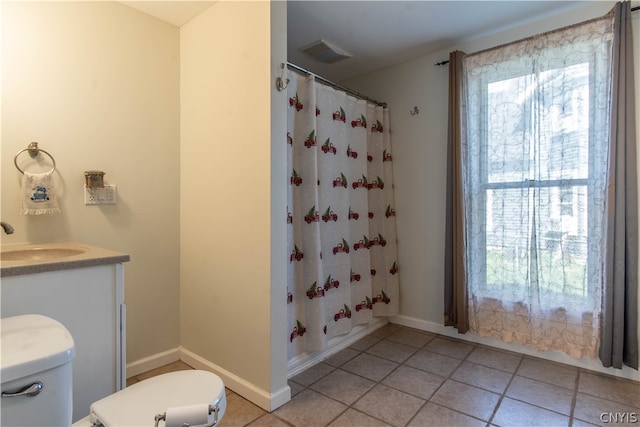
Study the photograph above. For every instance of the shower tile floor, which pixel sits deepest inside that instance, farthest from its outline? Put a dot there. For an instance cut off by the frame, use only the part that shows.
(398, 376)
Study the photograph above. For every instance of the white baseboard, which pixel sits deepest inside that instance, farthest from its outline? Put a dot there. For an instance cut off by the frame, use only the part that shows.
(306, 360)
(271, 401)
(555, 356)
(152, 362)
(264, 399)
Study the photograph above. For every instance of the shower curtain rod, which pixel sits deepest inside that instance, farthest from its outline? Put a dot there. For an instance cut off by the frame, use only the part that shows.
(335, 85)
(633, 9)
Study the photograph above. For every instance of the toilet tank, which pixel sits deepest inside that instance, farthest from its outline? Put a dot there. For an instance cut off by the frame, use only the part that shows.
(35, 350)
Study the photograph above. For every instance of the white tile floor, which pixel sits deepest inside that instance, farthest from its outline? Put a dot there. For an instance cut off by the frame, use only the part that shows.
(399, 376)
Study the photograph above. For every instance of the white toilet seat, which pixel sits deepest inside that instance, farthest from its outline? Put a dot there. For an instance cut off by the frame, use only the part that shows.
(138, 404)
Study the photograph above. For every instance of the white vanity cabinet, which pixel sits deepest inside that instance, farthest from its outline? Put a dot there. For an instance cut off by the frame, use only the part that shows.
(89, 302)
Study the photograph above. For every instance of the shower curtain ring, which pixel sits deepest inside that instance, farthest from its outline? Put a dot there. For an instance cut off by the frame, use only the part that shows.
(281, 82)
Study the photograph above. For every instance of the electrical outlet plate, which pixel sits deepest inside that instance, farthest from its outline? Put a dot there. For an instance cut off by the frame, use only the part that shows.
(106, 195)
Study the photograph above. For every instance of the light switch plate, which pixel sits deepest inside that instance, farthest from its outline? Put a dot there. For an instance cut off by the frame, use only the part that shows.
(106, 195)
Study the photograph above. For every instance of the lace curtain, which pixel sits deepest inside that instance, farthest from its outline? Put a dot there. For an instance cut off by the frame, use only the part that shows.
(534, 168)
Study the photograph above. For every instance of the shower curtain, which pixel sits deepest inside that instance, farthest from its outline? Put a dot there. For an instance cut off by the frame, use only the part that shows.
(343, 267)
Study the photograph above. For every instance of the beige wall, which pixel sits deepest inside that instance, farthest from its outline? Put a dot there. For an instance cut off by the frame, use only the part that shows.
(279, 174)
(420, 153)
(227, 270)
(97, 85)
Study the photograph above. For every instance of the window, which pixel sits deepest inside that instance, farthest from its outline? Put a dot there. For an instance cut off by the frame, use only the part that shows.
(537, 159)
(534, 162)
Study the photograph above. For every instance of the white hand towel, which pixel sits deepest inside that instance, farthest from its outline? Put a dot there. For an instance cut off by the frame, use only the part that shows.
(38, 194)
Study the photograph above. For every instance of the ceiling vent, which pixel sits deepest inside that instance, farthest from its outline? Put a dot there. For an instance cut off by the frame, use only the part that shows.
(326, 52)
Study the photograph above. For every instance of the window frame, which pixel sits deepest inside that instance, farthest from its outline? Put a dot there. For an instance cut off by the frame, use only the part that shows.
(571, 183)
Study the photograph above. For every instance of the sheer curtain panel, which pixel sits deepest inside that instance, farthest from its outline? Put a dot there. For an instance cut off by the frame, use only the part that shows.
(534, 150)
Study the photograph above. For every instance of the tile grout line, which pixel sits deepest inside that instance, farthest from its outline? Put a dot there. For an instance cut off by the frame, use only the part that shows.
(466, 359)
(504, 392)
(449, 377)
(425, 400)
(574, 399)
(386, 376)
(379, 382)
(335, 368)
(424, 347)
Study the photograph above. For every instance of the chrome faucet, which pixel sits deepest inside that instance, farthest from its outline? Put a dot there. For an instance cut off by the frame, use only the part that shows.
(8, 229)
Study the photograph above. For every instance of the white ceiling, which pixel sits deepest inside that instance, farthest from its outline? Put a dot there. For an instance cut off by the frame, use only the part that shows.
(176, 12)
(378, 33)
(384, 33)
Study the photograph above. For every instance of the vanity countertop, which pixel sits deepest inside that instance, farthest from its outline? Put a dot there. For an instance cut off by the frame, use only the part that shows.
(20, 259)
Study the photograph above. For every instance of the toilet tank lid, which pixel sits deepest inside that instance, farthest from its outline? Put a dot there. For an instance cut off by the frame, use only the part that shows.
(33, 343)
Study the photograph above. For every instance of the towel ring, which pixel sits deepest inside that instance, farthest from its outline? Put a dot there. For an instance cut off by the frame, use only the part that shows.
(33, 152)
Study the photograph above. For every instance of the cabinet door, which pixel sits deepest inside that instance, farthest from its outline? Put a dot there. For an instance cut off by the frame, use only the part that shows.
(87, 302)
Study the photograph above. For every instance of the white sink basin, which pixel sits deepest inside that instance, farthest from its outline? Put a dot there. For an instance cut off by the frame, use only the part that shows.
(39, 254)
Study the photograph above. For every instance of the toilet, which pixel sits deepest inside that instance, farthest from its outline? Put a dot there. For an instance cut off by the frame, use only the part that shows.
(37, 354)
